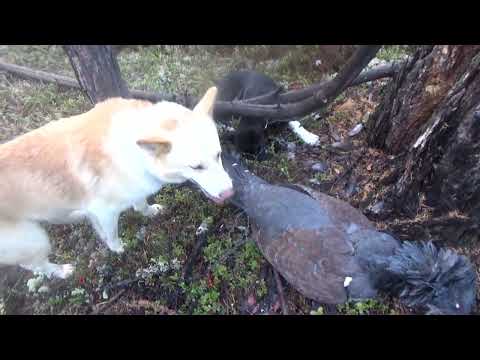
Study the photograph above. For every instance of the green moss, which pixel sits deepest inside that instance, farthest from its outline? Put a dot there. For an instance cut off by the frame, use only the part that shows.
(394, 52)
(367, 307)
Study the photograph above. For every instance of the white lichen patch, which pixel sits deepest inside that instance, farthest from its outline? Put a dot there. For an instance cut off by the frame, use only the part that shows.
(43, 289)
(34, 283)
(78, 292)
(159, 266)
(204, 226)
(176, 264)
(347, 281)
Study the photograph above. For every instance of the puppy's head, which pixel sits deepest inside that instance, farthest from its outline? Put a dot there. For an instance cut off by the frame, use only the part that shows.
(250, 140)
(184, 145)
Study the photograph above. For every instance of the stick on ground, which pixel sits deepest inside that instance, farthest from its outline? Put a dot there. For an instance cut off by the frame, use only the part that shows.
(280, 292)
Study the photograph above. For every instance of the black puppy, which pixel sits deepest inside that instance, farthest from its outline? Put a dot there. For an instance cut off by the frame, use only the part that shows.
(250, 137)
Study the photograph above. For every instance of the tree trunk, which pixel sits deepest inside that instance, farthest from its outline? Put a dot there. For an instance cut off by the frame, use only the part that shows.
(97, 71)
(431, 114)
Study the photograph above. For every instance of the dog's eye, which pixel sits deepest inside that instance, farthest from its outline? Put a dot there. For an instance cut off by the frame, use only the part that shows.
(198, 167)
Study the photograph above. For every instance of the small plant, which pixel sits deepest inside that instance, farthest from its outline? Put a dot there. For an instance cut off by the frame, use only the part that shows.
(319, 311)
(394, 52)
(55, 301)
(78, 296)
(321, 177)
(284, 166)
(363, 307)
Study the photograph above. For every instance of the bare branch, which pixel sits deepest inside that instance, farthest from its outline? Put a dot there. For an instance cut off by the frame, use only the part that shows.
(378, 72)
(318, 95)
(38, 75)
(324, 94)
(345, 77)
(71, 83)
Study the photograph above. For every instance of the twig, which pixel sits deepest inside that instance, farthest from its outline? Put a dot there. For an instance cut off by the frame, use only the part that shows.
(107, 304)
(199, 244)
(122, 284)
(233, 250)
(352, 165)
(280, 292)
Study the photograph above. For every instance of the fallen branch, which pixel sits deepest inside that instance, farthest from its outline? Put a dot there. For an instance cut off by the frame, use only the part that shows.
(378, 72)
(101, 307)
(291, 104)
(70, 83)
(349, 169)
(202, 236)
(38, 75)
(322, 96)
(280, 291)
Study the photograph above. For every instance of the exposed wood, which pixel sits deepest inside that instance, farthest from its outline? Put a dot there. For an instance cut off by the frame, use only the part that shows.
(430, 113)
(38, 75)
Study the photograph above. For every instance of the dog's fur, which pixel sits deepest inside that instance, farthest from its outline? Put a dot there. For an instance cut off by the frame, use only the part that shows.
(250, 137)
(98, 164)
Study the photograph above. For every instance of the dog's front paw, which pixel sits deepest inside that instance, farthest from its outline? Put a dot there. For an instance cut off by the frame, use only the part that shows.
(154, 210)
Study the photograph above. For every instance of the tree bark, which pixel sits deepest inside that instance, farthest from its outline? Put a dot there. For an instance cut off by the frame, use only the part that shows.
(97, 71)
(431, 114)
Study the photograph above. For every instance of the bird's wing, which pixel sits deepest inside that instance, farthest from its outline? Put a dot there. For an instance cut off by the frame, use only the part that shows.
(315, 262)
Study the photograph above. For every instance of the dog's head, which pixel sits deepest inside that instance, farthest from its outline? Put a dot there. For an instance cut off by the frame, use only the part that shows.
(184, 146)
(251, 142)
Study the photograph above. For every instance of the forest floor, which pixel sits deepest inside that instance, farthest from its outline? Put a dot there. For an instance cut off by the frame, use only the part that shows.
(230, 275)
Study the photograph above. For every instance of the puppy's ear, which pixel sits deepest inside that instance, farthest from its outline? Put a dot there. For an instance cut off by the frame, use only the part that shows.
(206, 105)
(156, 145)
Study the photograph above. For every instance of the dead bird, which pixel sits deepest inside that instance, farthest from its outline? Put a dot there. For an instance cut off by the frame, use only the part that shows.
(330, 252)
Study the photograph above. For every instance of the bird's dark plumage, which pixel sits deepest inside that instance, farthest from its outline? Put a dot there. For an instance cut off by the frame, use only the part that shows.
(330, 251)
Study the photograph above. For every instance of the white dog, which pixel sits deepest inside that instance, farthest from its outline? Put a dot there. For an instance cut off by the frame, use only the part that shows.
(98, 164)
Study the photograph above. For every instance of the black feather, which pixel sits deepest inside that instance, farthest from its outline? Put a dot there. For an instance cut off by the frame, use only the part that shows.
(422, 274)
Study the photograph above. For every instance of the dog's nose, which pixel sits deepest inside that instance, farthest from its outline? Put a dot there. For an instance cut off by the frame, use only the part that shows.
(224, 195)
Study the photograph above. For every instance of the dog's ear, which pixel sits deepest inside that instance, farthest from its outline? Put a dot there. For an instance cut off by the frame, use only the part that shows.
(156, 145)
(206, 105)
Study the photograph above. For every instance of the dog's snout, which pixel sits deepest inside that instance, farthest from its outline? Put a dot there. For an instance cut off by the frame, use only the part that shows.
(224, 195)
